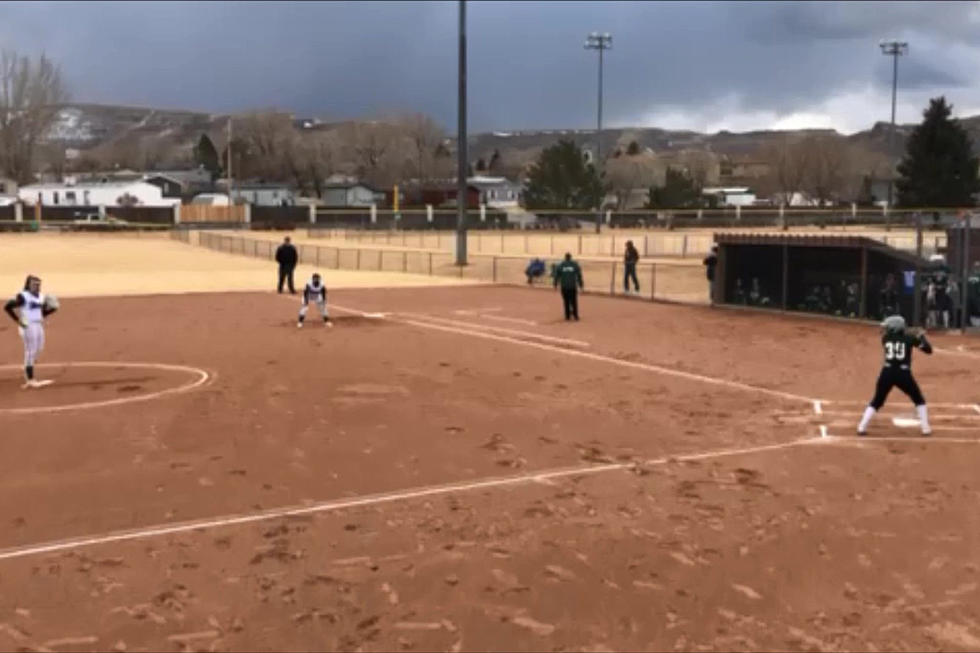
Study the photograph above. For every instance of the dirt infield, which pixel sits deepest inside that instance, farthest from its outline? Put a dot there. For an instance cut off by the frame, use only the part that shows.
(84, 265)
(459, 469)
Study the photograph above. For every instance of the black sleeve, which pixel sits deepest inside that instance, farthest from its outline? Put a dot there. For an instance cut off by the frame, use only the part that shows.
(47, 310)
(11, 305)
(578, 273)
(924, 344)
(279, 254)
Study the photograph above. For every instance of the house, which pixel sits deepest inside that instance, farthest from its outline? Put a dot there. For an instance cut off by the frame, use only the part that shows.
(262, 194)
(8, 186)
(497, 192)
(168, 185)
(443, 195)
(192, 181)
(731, 196)
(344, 194)
(109, 193)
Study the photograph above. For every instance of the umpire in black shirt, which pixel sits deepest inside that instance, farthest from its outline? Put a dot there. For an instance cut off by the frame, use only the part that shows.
(569, 275)
(287, 257)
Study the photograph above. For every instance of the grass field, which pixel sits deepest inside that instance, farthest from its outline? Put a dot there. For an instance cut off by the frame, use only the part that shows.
(457, 468)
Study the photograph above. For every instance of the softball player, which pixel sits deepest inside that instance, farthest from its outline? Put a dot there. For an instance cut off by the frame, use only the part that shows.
(33, 308)
(898, 343)
(314, 292)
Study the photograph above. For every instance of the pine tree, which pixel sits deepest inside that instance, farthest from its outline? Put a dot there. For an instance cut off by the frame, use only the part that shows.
(560, 179)
(938, 168)
(206, 155)
(678, 192)
(633, 149)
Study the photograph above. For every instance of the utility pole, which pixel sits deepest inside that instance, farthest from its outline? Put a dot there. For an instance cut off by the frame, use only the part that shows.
(600, 42)
(461, 154)
(894, 49)
(231, 200)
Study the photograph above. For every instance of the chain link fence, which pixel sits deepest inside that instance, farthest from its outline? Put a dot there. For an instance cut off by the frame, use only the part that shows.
(679, 282)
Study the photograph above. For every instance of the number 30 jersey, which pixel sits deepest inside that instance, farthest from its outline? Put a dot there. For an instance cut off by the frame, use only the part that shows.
(898, 349)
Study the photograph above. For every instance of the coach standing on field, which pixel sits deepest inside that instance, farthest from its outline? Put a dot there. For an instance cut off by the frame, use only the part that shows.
(569, 275)
(287, 258)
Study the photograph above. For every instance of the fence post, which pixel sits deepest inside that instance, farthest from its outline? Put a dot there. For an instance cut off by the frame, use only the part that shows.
(551, 247)
(653, 282)
(738, 211)
(684, 247)
(374, 214)
(428, 214)
(646, 244)
(247, 218)
(404, 261)
(430, 264)
(18, 212)
(101, 211)
(312, 209)
(782, 216)
(608, 216)
(579, 245)
(501, 242)
(612, 281)
(700, 214)
(494, 266)
(176, 210)
(483, 213)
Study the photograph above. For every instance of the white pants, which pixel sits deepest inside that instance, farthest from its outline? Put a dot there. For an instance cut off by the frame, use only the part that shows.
(320, 306)
(33, 335)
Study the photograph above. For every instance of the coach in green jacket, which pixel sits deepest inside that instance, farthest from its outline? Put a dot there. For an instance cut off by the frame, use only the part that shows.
(569, 275)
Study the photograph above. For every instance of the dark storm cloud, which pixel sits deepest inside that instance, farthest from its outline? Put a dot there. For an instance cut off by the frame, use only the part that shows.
(527, 64)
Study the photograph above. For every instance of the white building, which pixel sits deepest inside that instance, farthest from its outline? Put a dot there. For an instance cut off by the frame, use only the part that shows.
(351, 194)
(735, 196)
(264, 194)
(110, 193)
(498, 192)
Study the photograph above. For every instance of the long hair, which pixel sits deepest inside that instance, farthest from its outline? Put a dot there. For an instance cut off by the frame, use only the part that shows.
(28, 280)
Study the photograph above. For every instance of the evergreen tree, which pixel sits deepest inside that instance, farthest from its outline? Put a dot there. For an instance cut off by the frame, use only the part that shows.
(938, 168)
(678, 192)
(633, 149)
(561, 179)
(206, 155)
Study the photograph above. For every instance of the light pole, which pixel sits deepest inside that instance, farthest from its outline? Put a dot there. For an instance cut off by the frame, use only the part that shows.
(461, 156)
(600, 42)
(893, 49)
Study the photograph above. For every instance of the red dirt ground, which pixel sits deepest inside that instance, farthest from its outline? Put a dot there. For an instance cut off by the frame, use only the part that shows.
(836, 544)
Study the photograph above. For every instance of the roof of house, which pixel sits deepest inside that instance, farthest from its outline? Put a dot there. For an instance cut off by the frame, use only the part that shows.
(85, 185)
(341, 186)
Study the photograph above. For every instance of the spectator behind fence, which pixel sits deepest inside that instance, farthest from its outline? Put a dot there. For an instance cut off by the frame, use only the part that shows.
(709, 262)
(888, 298)
(534, 270)
(630, 258)
(287, 257)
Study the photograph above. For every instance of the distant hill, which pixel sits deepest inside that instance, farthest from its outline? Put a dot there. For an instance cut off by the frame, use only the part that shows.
(95, 126)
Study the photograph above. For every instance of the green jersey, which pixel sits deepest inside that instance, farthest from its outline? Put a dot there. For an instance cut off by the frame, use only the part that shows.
(569, 275)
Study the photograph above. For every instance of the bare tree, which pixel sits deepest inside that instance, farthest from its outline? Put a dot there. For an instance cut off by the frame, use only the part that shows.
(425, 136)
(828, 160)
(31, 93)
(787, 168)
(625, 174)
(702, 167)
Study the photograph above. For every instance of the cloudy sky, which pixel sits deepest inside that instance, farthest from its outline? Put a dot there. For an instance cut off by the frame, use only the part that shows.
(697, 65)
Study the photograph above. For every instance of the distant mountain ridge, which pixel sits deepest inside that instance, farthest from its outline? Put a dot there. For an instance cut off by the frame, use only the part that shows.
(84, 126)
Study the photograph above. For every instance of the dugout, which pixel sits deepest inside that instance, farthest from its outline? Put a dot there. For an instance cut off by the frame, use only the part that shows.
(833, 275)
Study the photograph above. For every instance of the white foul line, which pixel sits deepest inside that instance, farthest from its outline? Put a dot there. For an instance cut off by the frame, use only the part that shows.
(515, 320)
(910, 439)
(367, 500)
(202, 377)
(484, 327)
(596, 357)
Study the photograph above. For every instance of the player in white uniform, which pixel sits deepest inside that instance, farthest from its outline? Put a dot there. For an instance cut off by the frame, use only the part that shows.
(314, 292)
(33, 308)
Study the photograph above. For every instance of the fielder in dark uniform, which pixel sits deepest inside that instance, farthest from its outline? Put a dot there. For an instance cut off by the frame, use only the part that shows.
(897, 344)
(569, 275)
(286, 257)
